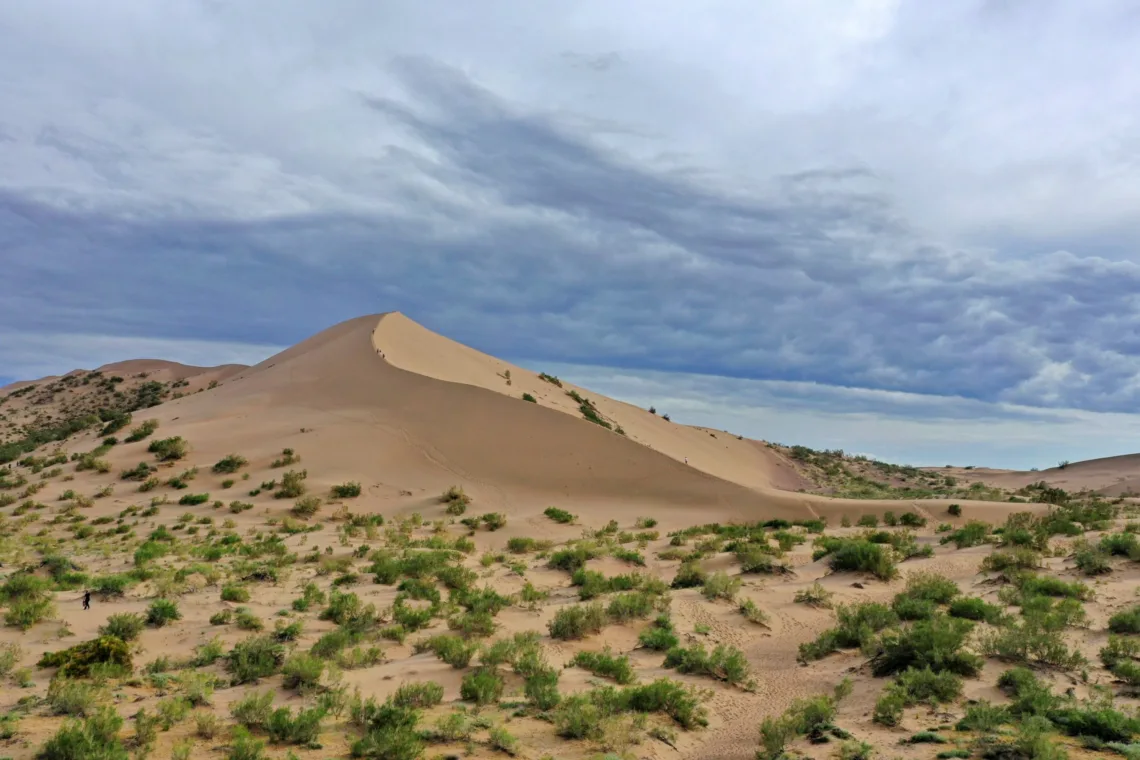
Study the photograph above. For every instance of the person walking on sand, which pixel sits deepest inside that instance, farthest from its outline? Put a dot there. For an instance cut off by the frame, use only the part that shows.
(87, 600)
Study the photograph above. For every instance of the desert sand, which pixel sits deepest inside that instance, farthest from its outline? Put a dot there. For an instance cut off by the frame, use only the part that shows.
(382, 402)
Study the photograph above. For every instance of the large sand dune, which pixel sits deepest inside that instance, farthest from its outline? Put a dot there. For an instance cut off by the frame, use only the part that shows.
(418, 413)
(1109, 476)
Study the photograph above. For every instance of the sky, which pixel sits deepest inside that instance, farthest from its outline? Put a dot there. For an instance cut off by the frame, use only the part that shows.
(900, 228)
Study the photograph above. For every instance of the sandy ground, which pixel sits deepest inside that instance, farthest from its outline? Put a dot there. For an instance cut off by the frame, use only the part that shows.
(406, 413)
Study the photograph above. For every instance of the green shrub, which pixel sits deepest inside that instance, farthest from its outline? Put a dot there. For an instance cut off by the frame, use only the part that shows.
(1125, 621)
(254, 658)
(530, 398)
(660, 636)
(229, 464)
(983, 716)
(955, 510)
(348, 490)
(234, 593)
(689, 575)
(577, 621)
(972, 608)
(559, 515)
(123, 625)
(863, 556)
(193, 499)
(162, 611)
(306, 506)
(725, 663)
(606, 664)
(302, 672)
(418, 695)
(483, 686)
(167, 449)
(292, 485)
(937, 643)
(856, 626)
(253, 709)
(78, 661)
(720, 586)
(96, 738)
(454, 650)
(972, 533)
(814, 596)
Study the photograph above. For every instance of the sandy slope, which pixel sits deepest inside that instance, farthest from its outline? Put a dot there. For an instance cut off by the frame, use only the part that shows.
(1111, 476)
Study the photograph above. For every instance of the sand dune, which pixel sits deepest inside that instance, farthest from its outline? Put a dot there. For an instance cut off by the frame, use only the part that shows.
(418, 413)
(1110, 476)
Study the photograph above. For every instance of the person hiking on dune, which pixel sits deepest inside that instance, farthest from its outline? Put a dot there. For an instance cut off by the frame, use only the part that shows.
(87, 600)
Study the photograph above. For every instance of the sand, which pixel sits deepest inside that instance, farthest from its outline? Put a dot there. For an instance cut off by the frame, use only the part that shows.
(382, 401)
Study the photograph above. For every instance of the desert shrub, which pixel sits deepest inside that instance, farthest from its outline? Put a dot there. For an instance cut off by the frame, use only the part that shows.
(75, 698)
(1121, 545)
(255, 658)
(720, 586)
(253, 709)
(972, 533)
(937, 643)
(418, 694)
(577, 621)
(168, 449)
(302, 671)
(659, 636)
(78, 661)
(689, 575)
(530, 398)
(235, 593)
(631, 605)
(868, 521)
(229, 465)
(973, 608)
(95, 738)
(493, 520)
(559, 515)
(306, 506)
(1125, 621)
(1046, 585)
(606, 664)
(912, 520)
(1017, 559)
(303, 728)
(1036, 638)
(123, 625)
(814, 596)
(856, 625)
(1091, 561)
(983, 716)
(292, 485)
(483, 686)
(454, 650)
(862, 556)
(955, 510)
(162, 611)
(348, 490)
(725, 663)
(140, 472)
(193, 499)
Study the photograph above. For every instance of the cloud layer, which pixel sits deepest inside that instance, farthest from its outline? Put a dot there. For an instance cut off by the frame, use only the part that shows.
(900, 197)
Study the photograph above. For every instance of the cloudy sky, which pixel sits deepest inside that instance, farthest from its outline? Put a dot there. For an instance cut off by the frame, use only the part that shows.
(902, 228)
